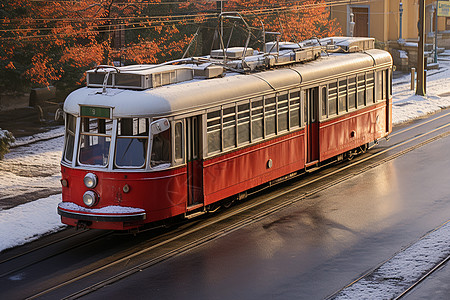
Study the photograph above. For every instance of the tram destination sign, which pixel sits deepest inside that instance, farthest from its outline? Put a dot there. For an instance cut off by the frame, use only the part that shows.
(96, 112)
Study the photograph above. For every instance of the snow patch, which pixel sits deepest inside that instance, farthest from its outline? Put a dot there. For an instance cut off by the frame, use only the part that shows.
(114, 209)
(57, 132)
(402, 270)
(403, 54)
(28, 222)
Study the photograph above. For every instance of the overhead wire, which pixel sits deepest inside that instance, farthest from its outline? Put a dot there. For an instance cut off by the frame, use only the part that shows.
(262, 7)
(166, 20)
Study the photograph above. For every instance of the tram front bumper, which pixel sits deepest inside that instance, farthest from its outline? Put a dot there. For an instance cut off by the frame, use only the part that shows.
(104, 214)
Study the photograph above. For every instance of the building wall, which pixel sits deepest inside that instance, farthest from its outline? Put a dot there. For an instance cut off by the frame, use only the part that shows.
(339, 12)
(376, 18)
(384, 18)
(410, 18)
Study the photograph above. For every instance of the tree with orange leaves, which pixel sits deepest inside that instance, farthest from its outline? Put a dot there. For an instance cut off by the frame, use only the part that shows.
(47, 42)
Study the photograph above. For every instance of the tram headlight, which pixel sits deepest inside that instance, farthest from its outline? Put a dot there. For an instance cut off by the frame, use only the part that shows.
(90, 198)
(90, 180)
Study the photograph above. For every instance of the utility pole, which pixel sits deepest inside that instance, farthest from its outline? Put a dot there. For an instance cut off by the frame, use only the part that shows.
(420, 90)
(400, 37)
(435, 33)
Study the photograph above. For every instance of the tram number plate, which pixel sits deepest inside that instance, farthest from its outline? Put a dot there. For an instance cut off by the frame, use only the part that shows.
(98, 112)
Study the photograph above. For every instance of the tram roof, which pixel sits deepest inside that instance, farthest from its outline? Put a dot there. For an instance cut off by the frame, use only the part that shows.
(200, 94)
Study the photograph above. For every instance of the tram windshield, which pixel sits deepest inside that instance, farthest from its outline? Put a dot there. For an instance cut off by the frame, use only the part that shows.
(95, 139)
(132, 141)
(70, 137)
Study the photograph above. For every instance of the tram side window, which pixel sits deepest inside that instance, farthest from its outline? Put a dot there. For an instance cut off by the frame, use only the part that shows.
(132, 141)
(283, 109)
(332, 98)
(243, 123)
(179, 140)
(270, 114)
(389, 82)
(229, 127)
(361, 87)
(214, 130)
(294, 108)
(342, 95)
(324, 102)
(379, 86)
(306, 102)
(95, 139)
(257, 120)
(352, 92)
(370, 88)
(161, 155)
(385, 81)
(70, 137)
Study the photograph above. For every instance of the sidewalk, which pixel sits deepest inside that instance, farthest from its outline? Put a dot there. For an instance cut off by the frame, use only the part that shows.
(26, 121)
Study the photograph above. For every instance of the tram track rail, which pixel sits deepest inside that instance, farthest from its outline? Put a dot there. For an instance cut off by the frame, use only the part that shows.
(39, 248)
(49, 255)
(436, 135)
(421, 279)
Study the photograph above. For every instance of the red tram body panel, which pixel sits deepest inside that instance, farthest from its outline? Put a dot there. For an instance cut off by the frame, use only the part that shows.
(350, 131)
(160, 195)
(156, 142)
(238, 171)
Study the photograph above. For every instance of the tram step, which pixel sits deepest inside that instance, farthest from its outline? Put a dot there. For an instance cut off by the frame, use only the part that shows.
(309, 170)
(193, 215)
(194, 206)
(311, 163)
(312, 166)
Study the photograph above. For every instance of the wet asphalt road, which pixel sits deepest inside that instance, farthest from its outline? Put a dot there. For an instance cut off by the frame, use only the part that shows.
(313, 248)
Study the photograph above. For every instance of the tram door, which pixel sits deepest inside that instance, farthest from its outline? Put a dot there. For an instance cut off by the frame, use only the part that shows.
(311, 104)
(194, 163)
(388, 96)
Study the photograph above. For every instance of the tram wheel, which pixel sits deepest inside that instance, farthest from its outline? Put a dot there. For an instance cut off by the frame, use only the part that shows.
(228, 202)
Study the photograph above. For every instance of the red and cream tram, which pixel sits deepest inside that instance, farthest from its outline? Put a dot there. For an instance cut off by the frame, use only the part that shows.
(145, 143)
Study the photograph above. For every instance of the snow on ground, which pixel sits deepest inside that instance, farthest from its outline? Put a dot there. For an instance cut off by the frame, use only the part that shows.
(404, 269)
(43, 157)
(408, 106)
(27, 222)
(30, 170)
(56, 132)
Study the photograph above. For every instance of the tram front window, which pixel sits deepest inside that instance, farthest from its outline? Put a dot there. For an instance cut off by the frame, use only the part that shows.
(132, 141)
(161, 150)
(70, 137)
(95, 139)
